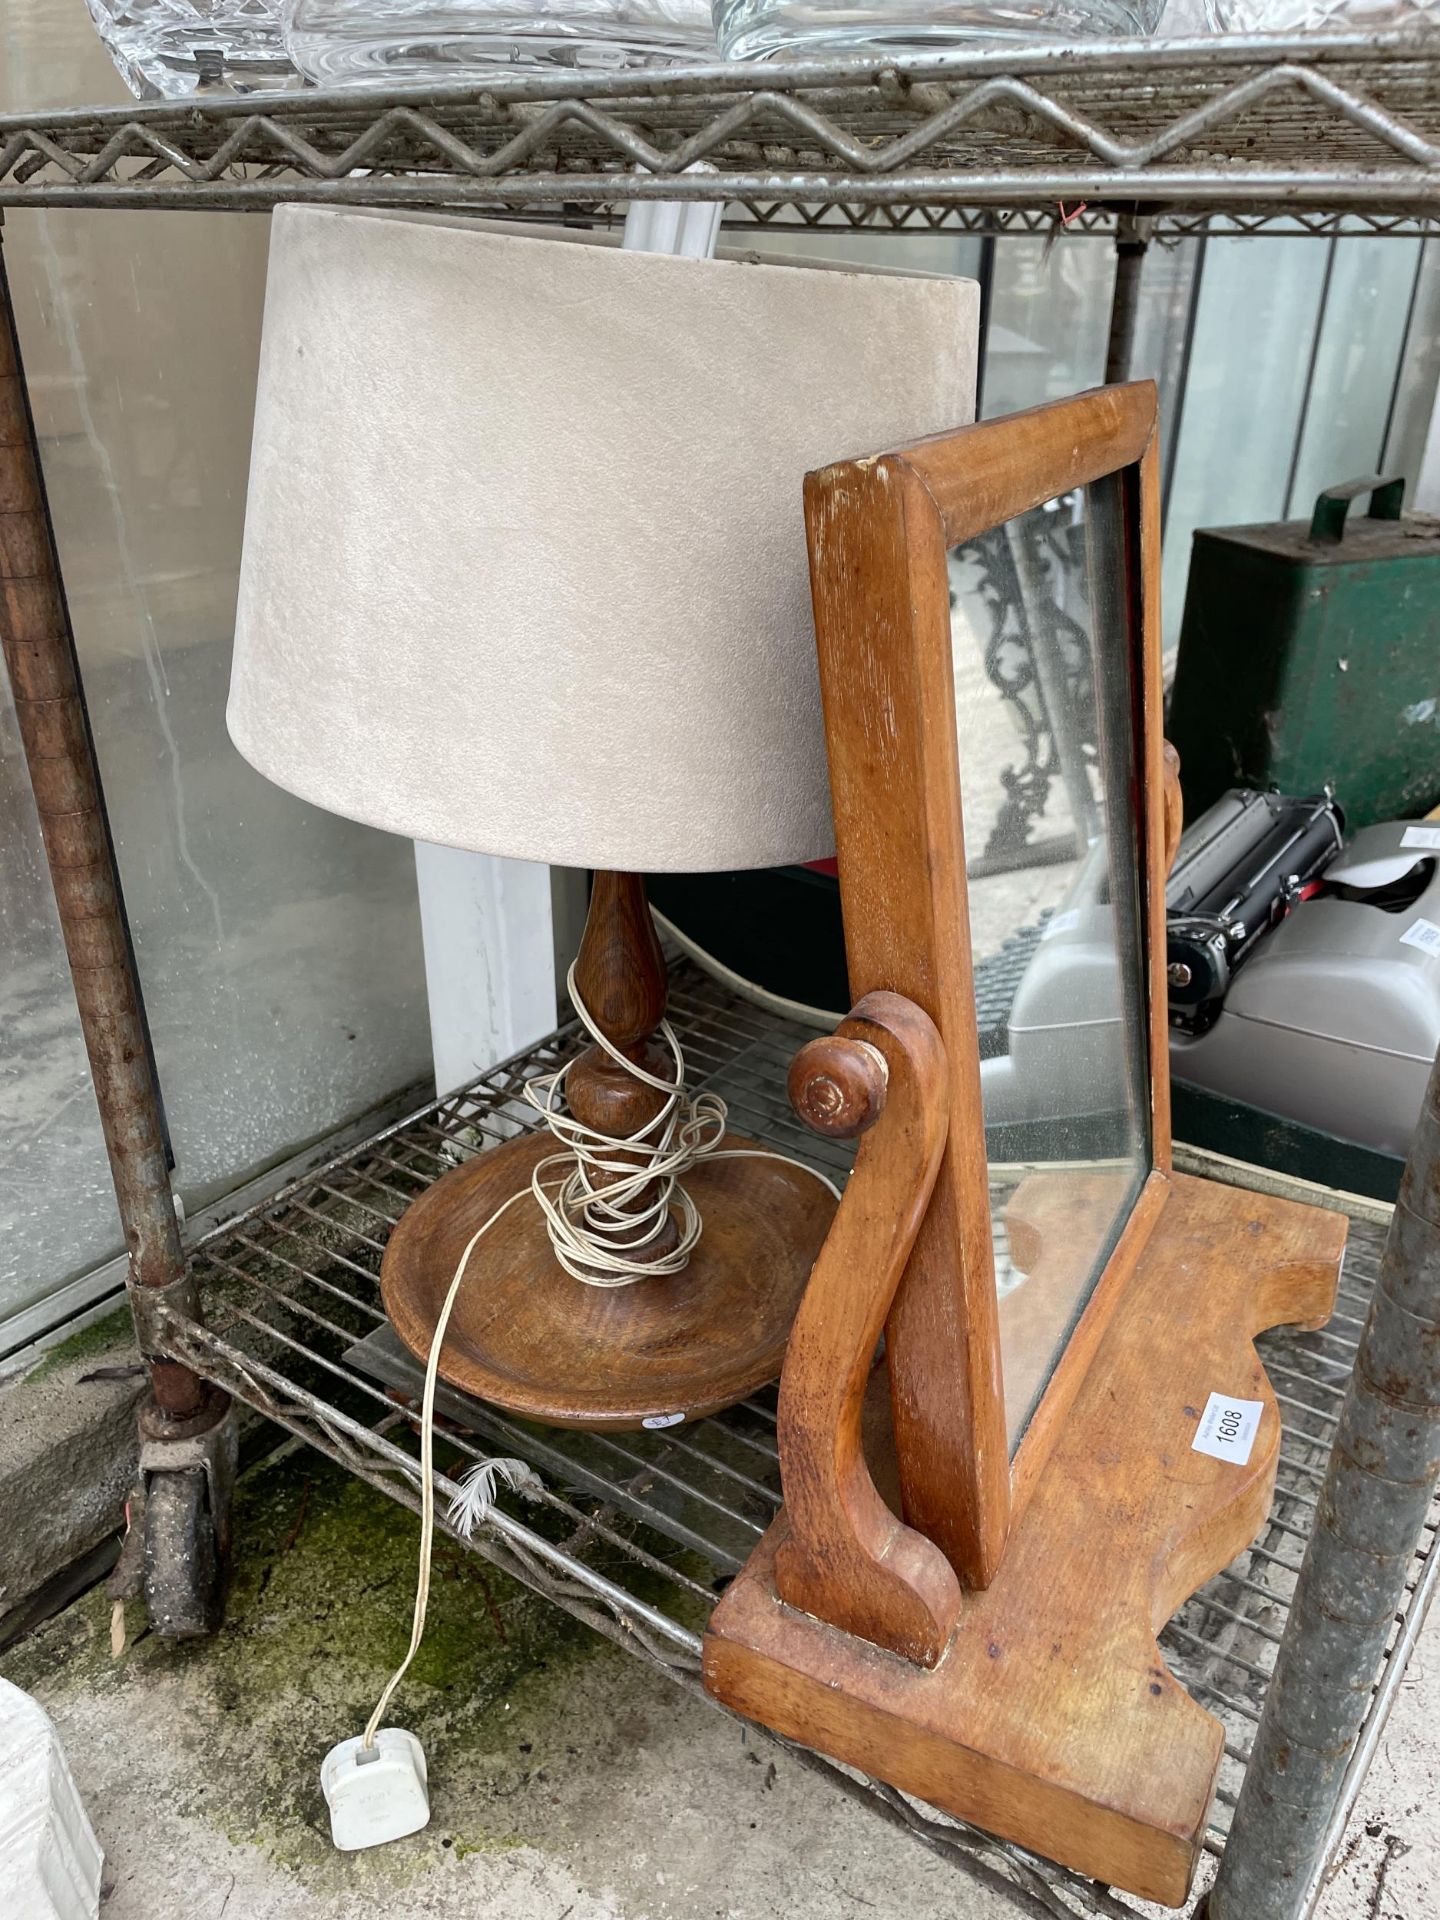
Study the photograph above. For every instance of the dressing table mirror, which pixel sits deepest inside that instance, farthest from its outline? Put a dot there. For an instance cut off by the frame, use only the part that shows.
(1069, 1430)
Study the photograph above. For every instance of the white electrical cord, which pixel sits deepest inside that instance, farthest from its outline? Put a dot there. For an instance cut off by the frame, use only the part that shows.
(465, 1506)
(582, 1222)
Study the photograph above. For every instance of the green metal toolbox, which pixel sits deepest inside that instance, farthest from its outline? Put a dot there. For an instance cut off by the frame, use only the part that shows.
(1310, 657)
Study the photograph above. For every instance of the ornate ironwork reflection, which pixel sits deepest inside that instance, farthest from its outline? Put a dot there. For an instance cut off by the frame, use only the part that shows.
(1028, 575)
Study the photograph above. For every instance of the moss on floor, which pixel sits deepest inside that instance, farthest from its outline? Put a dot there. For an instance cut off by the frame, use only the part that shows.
(319, 1617)
(102, 1336)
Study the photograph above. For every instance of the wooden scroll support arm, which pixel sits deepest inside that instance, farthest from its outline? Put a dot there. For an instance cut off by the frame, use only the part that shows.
(846, 1558)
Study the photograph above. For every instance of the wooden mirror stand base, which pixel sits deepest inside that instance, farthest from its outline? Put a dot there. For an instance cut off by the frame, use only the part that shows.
(1050, 1718)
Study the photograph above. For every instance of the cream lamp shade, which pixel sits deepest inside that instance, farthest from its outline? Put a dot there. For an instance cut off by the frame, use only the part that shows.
(525, 564)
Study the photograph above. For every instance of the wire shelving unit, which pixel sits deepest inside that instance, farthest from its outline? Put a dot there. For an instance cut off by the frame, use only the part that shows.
(1250, 131)
(638, 1532)
(635, 1534)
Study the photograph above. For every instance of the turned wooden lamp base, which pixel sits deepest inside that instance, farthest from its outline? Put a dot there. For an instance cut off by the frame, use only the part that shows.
(1049, 1717)
(527, 1335)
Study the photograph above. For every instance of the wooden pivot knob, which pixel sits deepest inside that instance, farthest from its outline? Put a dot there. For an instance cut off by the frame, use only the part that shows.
(837, 1086)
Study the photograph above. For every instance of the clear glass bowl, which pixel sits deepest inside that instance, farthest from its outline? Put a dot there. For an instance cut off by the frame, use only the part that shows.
(385, 43)
(171, 48)
(762, 29)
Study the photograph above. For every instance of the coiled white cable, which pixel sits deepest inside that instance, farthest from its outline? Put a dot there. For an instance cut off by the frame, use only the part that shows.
(583, 1222)
(590, 1205)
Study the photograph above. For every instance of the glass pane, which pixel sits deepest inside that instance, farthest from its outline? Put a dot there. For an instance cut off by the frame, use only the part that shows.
(1044, 689)
(1169, 284)
(279, 948)
(1245, 396)
(57, 1207)
(1049, 318)
(1416, 378)
(1357, 349)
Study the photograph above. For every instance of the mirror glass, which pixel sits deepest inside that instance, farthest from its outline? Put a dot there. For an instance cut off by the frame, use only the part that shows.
(1045, 708)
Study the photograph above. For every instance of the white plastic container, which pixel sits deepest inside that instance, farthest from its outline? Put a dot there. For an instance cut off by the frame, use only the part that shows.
(50, 1859)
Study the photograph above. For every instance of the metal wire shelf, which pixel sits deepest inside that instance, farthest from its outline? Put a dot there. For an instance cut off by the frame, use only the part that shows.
(1255, 127)
(635, 1533)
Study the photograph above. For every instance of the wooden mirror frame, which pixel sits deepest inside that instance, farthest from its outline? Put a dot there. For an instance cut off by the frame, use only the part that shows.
(1033, 1700)
(880, 535)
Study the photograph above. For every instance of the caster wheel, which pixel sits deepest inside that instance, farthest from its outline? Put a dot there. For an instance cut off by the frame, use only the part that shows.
(185, 1573)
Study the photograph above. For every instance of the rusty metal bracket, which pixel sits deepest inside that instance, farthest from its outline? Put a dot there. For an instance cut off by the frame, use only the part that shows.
(155, 1310)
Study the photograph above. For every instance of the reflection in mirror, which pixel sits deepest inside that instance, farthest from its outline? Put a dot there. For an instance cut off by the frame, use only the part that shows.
(1044, 698)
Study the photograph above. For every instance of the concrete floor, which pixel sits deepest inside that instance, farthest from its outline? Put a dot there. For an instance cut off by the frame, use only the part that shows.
(1389, 1867)
(569, 1781)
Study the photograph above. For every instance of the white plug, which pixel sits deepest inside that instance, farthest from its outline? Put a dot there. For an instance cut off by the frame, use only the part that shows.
(378, 1792)
(375, 1795)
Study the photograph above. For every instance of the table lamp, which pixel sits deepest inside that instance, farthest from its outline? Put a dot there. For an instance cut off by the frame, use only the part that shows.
(525, 573)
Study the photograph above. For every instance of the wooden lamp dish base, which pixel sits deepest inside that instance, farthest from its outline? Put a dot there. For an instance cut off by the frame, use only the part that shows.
(1050, 1717)
(525, 1335)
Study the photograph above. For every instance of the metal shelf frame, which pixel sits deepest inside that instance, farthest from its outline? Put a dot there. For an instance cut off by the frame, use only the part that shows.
(1242, 128)
(280, 1305)
(635, 1532)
